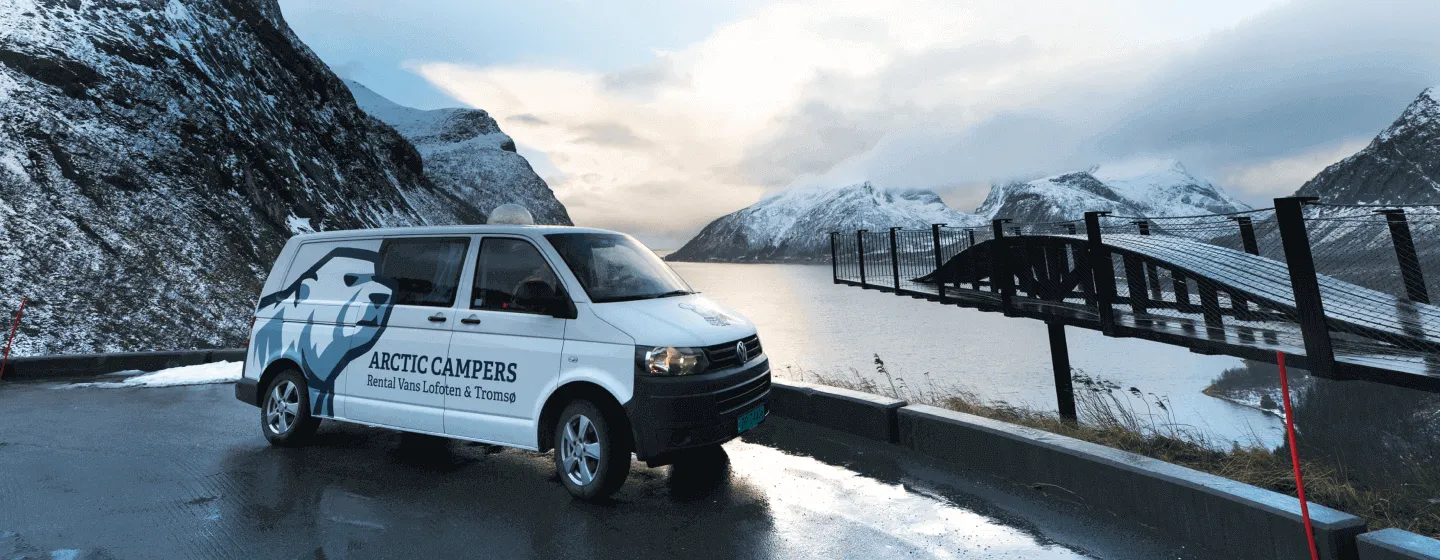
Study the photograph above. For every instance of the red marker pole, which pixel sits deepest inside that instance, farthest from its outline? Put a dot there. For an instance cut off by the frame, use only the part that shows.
(13, 327)
(1295, 455)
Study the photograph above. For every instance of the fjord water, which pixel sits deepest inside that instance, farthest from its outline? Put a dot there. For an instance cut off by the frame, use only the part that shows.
(809, 324)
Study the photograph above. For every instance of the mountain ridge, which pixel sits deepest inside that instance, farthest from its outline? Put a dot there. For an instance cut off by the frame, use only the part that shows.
(1401, 165)
(465, 153)
(792, 225)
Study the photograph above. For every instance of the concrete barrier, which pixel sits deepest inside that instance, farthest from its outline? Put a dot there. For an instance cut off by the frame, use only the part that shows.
(862, 414)
(1394, 544)
(1239, 520)
(85, 365)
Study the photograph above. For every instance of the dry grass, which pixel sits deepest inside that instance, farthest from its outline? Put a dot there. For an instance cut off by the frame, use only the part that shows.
(1143, 423)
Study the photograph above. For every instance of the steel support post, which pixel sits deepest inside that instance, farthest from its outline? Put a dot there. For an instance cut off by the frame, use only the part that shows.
(1001, 278)
(860, 248)
(835, 257)
(895, 258)
(1247, 234)
(1102, 270)
(1304, 281)
(1152, 273)
(1060, 360)
(1405, 254)
(939, 262)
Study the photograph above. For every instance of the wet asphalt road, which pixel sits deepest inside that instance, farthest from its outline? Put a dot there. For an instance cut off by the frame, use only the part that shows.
(183, 472)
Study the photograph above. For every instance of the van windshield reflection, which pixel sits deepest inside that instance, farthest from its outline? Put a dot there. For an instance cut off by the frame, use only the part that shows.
(615, 267)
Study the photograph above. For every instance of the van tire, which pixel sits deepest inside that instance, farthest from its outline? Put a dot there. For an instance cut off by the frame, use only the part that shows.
(588, 477)
(287, 422)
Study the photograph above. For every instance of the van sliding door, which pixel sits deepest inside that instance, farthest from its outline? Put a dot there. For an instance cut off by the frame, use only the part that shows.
(399, 381)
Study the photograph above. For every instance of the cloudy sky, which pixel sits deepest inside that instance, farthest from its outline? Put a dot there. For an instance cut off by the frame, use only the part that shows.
(654, 117)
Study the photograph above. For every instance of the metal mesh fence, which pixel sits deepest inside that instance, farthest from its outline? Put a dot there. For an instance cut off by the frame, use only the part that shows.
(1375, 268)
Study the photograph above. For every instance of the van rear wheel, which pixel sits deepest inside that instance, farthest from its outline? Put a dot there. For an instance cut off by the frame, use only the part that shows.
(591, 459)
(285, 411)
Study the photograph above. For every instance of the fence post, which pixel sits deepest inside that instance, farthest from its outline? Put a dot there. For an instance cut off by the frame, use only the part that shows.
(1000, 278)
(1070, 229)
(835, 257)
(939, 260)
(895, 259)
(860, 247)
(1405, 253)
(1309, 308)
(1247, 234)
(1102, 269)
(1060, 361)
(13, 328)
(1152, 272)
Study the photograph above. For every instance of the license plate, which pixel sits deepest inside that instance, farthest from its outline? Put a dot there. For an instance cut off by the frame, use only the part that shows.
(750, 419)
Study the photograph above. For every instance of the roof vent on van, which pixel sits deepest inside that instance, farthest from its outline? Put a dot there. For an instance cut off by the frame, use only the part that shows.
(511, 214)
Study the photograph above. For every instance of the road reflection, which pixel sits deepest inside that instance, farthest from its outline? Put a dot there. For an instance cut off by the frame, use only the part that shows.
(365, 492)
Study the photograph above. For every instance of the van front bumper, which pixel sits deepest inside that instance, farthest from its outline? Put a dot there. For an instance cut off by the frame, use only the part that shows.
(672, 414)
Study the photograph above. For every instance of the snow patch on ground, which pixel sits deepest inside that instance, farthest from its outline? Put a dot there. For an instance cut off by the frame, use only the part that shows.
(201, 374)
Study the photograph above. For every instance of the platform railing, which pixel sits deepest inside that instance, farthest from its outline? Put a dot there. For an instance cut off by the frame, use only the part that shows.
(1343, 289)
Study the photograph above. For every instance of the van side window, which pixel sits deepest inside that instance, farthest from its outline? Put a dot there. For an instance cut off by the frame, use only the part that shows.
(426, 271)
(511, 275)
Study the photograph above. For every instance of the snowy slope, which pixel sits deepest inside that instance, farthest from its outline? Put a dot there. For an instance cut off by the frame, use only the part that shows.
(1400, 166)
(155, 156)
(1164, 188)
(1136, 188)
(1054, 199)
(794, 224)
(465, 153)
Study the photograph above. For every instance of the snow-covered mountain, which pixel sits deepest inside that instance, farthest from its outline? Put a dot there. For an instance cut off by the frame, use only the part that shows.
(1400, 166)
(1136, 188)
(1163, 187)
(794, 224)
(154, 157)
(465, 153)
(1053, 199)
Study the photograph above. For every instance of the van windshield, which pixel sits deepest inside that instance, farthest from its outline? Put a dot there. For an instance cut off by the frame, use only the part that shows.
(615, 267)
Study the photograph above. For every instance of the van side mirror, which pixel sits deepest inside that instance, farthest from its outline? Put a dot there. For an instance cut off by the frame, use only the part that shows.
(560, 307)
(541, 296)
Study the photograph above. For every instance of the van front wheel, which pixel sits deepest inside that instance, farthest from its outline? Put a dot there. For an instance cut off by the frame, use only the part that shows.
(285, 411)
(591, 459)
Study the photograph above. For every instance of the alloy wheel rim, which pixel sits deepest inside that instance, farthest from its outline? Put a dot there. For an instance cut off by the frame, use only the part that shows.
(283, 407)
(580, 450)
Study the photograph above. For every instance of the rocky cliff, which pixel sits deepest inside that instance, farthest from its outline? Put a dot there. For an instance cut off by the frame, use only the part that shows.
(465, 152)
(154, 157)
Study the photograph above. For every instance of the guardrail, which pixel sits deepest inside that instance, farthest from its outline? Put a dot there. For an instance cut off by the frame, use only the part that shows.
(1214, 513)
(85, 365)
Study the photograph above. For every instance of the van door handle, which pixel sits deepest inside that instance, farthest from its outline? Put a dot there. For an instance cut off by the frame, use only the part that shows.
(437, 318)
(471, 320)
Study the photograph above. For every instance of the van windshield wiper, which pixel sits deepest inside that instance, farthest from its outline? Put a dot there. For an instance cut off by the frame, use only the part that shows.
(671, 293)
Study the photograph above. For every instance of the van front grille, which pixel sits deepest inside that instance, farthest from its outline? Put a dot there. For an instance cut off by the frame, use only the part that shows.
(723, 356)
(742, 395)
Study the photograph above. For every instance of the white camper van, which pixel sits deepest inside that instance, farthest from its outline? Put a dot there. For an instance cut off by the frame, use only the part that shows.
(535, 337)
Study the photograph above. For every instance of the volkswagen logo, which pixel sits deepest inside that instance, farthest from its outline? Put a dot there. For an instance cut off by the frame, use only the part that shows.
(741, 352)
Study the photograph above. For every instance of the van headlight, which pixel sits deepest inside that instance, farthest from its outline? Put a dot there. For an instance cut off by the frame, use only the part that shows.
(669, 360)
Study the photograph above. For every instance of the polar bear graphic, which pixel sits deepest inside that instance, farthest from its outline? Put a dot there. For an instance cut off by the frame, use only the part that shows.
(331, 314)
